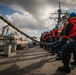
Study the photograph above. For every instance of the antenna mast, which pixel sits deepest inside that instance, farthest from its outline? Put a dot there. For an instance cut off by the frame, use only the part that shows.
(59, 12)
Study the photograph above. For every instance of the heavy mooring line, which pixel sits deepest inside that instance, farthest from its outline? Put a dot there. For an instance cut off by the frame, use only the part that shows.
(14, 27)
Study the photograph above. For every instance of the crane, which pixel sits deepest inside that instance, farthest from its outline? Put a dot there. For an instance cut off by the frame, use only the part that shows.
(3, 30)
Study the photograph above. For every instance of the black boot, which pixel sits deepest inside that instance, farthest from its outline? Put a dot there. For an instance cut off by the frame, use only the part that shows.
(73, 63)
(64, 69)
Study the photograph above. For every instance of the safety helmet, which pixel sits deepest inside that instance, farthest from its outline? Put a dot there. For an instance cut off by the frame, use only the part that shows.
(72, 14)
(56, 26)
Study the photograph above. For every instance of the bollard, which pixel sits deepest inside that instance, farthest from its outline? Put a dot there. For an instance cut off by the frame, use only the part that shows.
(13, 45)
(7, 48)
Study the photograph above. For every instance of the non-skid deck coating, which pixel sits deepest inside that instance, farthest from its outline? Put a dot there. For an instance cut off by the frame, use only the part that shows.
(31, 61)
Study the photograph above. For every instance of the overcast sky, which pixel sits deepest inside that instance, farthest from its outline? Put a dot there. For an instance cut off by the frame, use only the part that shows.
(32, 16)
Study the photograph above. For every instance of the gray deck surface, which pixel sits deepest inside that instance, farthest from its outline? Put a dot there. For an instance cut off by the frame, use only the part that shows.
(32, 61)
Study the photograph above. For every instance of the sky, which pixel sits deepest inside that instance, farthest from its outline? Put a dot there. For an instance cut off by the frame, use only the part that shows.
(32, 16)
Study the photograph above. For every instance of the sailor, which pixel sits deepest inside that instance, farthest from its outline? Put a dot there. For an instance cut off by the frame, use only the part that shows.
(59, 45)
(56, 38)
(47, 40)
(52, 40)
(42, 40)
(67, 49)
(57, 33)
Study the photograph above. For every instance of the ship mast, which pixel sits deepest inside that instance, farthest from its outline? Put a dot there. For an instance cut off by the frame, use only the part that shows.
(59, 12)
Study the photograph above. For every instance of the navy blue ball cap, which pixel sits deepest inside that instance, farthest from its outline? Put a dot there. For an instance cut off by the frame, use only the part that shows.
(72, 14)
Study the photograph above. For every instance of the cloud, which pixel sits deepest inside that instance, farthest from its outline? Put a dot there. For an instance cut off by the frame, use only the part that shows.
(71, 1)
(2, 23)
(32, 16)
(25, 21)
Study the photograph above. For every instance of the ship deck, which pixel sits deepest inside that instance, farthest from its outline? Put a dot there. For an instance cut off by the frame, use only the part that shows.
(31, 61)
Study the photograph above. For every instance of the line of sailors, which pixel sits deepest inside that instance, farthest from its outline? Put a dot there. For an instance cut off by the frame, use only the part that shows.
(65, 45)
(49, 37)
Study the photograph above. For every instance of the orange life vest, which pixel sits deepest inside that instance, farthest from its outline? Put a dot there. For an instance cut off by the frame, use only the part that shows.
(50, 35)
(42, 37)
(53, 33)
(46, 36)
(58, 33)
(72, 33)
